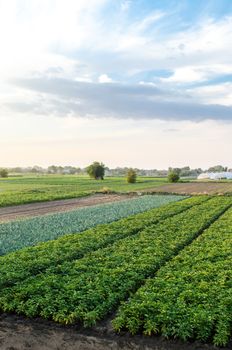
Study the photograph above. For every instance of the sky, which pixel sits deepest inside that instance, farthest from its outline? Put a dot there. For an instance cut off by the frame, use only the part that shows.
(140, 83)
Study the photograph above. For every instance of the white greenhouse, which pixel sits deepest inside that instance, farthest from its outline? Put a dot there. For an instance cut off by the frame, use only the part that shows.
(216, 176)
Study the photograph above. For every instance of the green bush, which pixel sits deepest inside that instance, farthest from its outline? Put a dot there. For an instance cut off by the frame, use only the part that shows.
(173, 176)
(3, 173)
(96, 170)
(131, 176)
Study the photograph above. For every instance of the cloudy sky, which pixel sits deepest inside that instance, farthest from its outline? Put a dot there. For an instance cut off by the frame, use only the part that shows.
(143, 83)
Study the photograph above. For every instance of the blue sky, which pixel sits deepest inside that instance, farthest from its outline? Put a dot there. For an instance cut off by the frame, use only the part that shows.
(111, 80)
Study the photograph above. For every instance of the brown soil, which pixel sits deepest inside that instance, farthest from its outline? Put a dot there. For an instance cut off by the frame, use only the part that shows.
(18, 333)
(195, 188)
(36, 209)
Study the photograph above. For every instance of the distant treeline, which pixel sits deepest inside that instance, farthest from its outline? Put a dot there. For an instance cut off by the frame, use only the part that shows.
(119, 171)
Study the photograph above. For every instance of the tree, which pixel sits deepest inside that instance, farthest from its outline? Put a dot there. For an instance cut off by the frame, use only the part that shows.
(131, 176)
(217, 169)
(52, 169)
(3, 173)
(175, 170)
(173, 176)
(96, 170)
(37, 169)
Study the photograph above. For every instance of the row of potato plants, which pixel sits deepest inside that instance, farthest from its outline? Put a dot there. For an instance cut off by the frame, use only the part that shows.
(87, 289)
(191, 296)
(18, 265)
(16, 235)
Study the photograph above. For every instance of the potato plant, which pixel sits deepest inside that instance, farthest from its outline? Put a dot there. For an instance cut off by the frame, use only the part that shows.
(87, 289)
(191, 296)
(32, 260)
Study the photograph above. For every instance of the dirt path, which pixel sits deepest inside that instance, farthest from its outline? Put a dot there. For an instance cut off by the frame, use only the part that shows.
(36, 209)
(194, 188)
(18, 333)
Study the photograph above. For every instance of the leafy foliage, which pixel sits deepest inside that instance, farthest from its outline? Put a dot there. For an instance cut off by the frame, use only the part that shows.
(88, 288)
(173, 176)
(191, 296)
(3, 173)
(96, 170)
(131, 176)
(21, 264)
(19, 234)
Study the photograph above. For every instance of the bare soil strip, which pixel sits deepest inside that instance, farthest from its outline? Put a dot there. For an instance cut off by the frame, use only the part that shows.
(18, 333)
(193, 188)
(58, 206)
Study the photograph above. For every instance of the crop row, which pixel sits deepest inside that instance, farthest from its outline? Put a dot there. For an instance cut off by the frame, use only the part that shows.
(12, 194)
(19, 234)
(31, 260)
(191, 296)
(89, 288)
(19, 190)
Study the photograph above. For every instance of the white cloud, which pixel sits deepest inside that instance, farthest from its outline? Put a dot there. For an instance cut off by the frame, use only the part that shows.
(36, 31)
(197, 54)
(213, 94)
(44, 34)
(54, 54)
(186, 75)
(144, 24)
(198, 73)
(125, 5)
(104, 78)
(204, 38)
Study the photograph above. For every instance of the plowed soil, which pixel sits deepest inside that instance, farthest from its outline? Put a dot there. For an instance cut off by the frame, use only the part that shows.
(193, 188)
(36, 209)
(18, 333)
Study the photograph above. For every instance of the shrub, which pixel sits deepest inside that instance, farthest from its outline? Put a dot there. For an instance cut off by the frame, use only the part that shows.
(96, 171)
(131, 176)
(173, 176)
(3, 173)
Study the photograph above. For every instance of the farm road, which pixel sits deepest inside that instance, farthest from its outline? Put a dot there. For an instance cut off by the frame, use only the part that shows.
(37, 209)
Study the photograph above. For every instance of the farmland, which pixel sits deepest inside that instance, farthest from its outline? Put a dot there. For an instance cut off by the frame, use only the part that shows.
(196, 187)
(165, 271)
(29, 189)
(116, 175)
(19, 234)
(191, 295)
(33, 189)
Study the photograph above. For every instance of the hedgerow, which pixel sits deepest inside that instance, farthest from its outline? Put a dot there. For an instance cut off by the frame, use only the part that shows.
(191, 296)
(87, 289)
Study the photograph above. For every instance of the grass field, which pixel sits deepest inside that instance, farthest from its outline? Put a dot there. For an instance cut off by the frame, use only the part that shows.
(27, 189)
(169, 268)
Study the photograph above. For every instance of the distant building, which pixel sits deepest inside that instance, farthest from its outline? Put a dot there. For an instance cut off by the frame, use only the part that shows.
(216, 176)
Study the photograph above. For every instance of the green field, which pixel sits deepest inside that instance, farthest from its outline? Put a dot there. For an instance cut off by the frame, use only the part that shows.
(165, 271)
(191, 296)
(19, 234)
(27, 189)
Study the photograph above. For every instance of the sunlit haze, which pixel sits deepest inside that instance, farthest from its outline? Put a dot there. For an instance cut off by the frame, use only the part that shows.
(135, 83)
